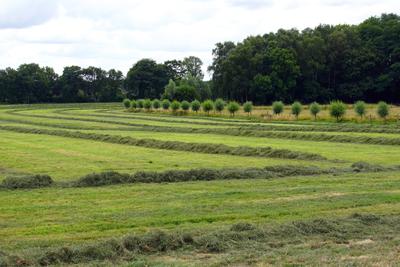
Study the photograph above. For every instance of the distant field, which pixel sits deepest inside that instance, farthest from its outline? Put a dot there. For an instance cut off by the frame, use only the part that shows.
(324, 182)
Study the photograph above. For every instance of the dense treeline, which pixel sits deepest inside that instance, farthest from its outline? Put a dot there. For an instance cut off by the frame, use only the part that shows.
(344, 62)
(30, 83)
(328, 62)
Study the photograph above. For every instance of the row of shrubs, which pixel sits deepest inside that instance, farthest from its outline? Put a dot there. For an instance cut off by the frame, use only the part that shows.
(337, 109)
(237, 236)
(207, 106)
(207, 148)
(111, 177)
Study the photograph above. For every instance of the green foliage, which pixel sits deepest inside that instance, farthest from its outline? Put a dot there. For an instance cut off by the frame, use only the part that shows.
(196, 105)
(165, 104)
(27, 181)
(185, 105)
(233, 107)
(208, 106)
(140, 103)
(290, 64)
(185, 92)
(360, 108)
(248, 107)
(296, 109)
(219, 105)
(315, 108)
(156, 104)
(133, 104)
(147, 104)
(146, 79)
(169, 90)
(175, 106)
(337, 109)
(382, 109)
(277, 107)
(127, 103)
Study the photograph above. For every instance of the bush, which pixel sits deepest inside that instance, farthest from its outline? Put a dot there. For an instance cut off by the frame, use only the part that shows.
(248, 107)
(28, 181)
(208, 106)
(127, 103)
(359, 108)
(156, 104)
(233, 107)
(175, 106)
(140, 103)
(133, 104)
(296, 109)
(382, 110)
(185, 105)
(315, 108)
(196, 105)
(147, 104)
(277, 107)
(165, 104)
(337, 109)
(219, 105)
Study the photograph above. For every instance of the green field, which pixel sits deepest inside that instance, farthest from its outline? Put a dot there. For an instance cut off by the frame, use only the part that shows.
(303, 193)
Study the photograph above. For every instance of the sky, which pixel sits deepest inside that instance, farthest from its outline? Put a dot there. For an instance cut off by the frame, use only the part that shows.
(118, 33)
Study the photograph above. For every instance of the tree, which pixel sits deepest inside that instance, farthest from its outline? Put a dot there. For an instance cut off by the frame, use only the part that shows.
(147, 104)
(192, 66)
(140, 103)
(296, 109)
(165, 104)
(175, 69)
(337, 109)
(156, 104)
(360, 108)
(175, 106)
(133, 104)
(382, 110)
(248, 107)
(233, 107)
(146, 79)
(185, 105)
(208, 106)
(185, 92)
(126, 103)
(315, 108)
(196, 106)
(277, 107)
(169, 90)
(219, 105)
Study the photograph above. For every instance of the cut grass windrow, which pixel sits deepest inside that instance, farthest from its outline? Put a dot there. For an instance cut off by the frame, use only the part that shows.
(241, 131)
(206, 148)
(237, 237)
(174, 176)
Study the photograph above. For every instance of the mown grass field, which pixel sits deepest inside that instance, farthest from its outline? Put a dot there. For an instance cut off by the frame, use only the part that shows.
(326, 210)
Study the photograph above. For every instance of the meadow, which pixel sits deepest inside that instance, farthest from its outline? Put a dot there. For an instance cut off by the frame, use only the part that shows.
(152, 188)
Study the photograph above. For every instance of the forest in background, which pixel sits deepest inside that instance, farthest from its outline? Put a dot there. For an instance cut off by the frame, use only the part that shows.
(344, 62)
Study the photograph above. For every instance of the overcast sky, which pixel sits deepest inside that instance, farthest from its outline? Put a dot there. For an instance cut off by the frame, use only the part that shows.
(117, 33)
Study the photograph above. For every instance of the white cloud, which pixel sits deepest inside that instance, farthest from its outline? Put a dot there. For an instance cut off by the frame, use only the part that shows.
(117, 33)
(25, 13)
